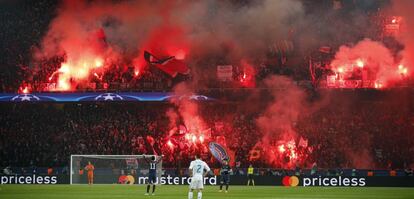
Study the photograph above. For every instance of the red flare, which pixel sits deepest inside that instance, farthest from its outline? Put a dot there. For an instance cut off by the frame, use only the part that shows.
(170, 144)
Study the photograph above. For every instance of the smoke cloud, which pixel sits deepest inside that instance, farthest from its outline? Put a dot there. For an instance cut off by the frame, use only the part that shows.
(276, 122)
(119, 32)
(188, 109)
(372, 57)
(403, 8)
(95, 34)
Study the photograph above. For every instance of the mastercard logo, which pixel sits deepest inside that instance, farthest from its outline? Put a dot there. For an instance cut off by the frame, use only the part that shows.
(290, 181)
(129, 179)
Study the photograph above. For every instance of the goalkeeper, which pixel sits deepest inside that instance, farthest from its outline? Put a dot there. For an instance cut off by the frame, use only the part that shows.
(90, 168)
(225, 175)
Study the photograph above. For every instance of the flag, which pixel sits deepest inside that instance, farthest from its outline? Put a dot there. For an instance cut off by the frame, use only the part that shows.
(182, 129)
(325, 49)
(254, 154)
(303, 143)
(169, 65)
(218, 152)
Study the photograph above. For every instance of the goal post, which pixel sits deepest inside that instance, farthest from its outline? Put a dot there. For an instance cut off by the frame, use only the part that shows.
(112, 169)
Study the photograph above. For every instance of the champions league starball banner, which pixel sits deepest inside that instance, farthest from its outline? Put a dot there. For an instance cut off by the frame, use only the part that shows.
(98, 97)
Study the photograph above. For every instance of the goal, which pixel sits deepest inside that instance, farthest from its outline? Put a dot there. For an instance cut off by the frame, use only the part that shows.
(112, 169)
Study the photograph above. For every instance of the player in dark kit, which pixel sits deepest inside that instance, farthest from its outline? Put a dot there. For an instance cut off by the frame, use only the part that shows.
(152, 173)
(225, 175)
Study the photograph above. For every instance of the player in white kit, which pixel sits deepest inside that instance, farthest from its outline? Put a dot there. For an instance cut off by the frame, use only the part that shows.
(198, 170)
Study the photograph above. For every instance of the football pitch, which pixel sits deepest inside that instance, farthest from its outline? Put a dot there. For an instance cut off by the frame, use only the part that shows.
(180, 192)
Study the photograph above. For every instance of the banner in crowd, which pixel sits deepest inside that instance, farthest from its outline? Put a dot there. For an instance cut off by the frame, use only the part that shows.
(225, 72)
(97, 96)
(333, 82)
(219, 152)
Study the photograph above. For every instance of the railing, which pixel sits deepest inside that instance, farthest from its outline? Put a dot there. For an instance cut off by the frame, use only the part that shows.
(153, 86)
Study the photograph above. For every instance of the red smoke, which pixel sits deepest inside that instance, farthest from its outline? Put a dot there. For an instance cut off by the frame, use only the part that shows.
(118, 32)
(278, 145)
(248, 74)
(164, 41)
(404, 8)
(368, 61)
(83, 45)
(380, 65)
(187, 125)
(81, 34)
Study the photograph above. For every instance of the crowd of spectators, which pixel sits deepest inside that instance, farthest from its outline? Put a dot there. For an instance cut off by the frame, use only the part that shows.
(117, 77)
(23, 25)
(335, 22)
(368, 135)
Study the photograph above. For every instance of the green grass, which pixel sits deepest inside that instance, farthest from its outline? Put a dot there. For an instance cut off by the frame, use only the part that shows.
(180, 192)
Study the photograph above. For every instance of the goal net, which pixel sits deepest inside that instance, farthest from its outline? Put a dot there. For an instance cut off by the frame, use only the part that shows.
(113, 169)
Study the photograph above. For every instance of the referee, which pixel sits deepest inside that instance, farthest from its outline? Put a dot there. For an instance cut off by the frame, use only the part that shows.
(250, 173)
